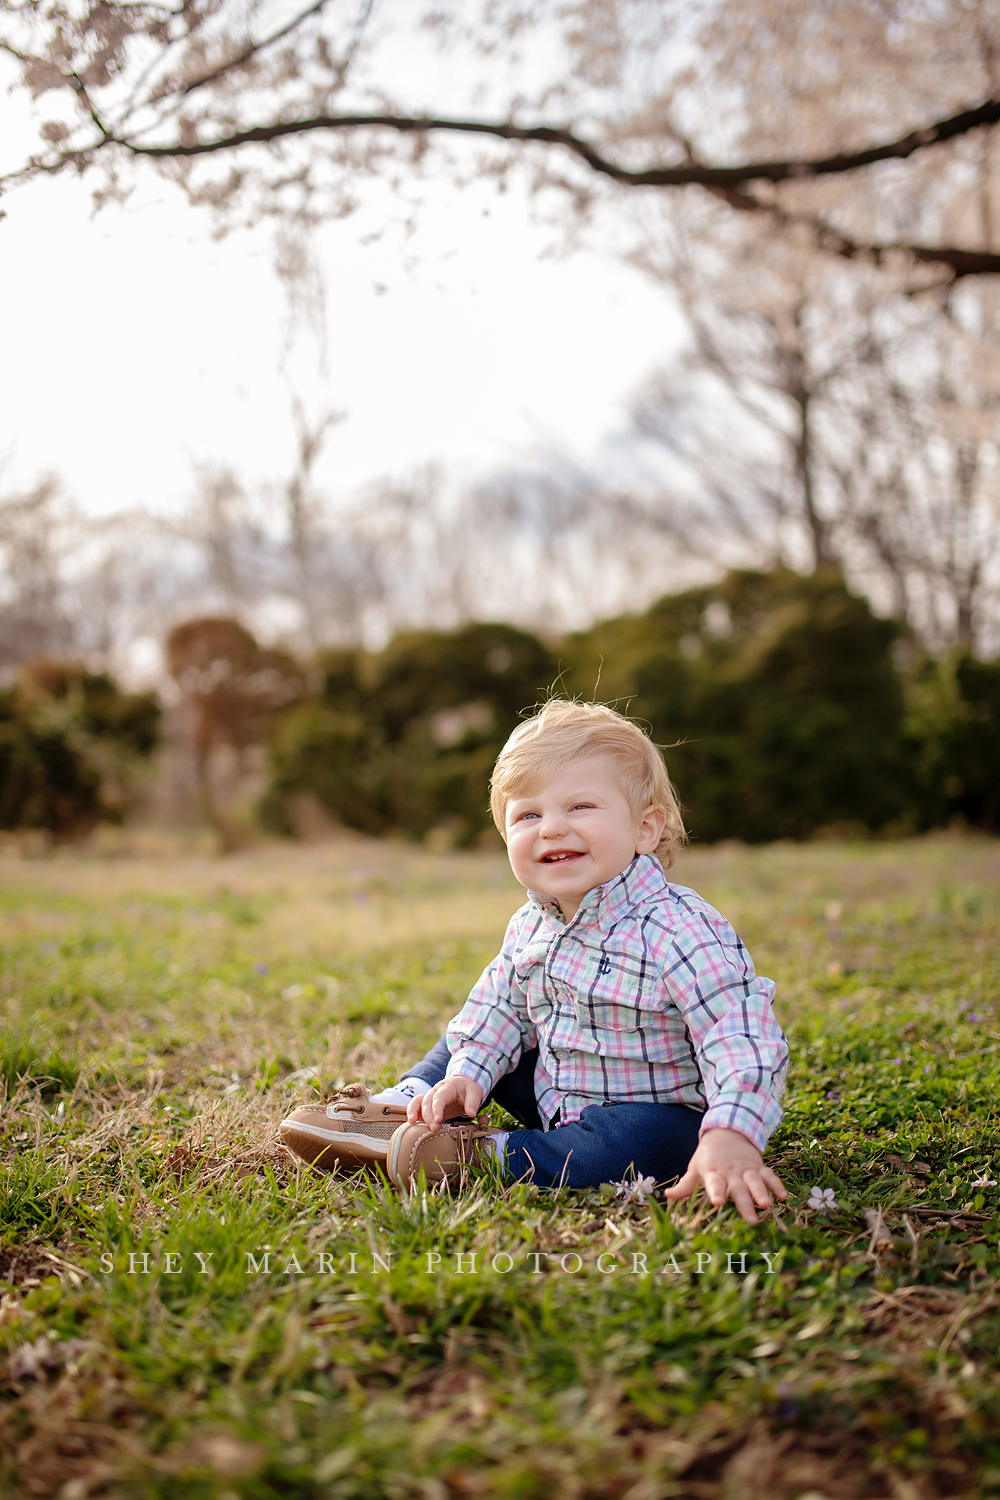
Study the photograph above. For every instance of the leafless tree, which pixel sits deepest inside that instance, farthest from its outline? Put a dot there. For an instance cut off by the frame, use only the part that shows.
(829, 419)
(33, 621)
(841, 404)
(222, 522)
(306, 533)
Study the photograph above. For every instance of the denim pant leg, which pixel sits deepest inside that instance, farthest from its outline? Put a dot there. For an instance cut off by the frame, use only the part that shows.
(515, 1090)
(433, 1067)
(608, 1141)
(606, 1144)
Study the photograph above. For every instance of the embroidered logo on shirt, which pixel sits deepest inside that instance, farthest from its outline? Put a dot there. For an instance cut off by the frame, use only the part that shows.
(604, 967)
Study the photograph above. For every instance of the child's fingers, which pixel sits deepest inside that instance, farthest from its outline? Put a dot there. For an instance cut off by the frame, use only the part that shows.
(431, 1114)
(774, 1182)
(758, 1188)
(472, 1098)
(716, 1185)
(685, 1187)
(740, 1194)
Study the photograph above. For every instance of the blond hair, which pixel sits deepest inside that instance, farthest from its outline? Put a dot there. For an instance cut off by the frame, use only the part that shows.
(564, 731)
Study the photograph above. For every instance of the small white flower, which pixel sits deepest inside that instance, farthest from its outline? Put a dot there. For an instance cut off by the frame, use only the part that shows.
(984, 1182)
(822, 1199)
(635, 1192)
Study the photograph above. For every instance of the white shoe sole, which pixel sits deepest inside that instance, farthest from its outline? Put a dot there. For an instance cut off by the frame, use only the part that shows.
(370, 1147)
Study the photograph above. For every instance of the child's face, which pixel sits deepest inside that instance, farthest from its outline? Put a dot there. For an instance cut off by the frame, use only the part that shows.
(576, 832)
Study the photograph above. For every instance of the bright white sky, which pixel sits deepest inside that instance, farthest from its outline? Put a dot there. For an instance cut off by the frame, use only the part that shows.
(135, 345)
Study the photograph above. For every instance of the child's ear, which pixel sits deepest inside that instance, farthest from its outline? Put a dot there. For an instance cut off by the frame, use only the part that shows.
(650, 829)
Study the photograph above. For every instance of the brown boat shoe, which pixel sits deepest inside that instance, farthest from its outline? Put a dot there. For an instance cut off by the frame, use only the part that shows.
(347, 1133)
(443, 1154)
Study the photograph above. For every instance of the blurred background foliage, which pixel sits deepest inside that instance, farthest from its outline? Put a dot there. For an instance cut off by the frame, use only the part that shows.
(71, 746)
(786, 708)
(406, 738)
(780, 700)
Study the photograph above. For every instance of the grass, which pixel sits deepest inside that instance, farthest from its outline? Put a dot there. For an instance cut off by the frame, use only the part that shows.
(158, 1013)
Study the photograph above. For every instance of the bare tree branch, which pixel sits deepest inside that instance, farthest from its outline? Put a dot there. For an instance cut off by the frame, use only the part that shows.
(68, 59)
(960, 262)
(698, 174)
(726, 182)
(248, 52)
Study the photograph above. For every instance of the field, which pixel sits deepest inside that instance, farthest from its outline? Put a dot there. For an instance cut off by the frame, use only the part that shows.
(186, 1312)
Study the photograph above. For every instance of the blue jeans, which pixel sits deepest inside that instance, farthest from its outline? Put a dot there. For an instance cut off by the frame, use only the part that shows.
(608, 1142)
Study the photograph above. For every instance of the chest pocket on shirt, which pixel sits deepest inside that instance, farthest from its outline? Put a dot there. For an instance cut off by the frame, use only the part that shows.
(612, 1028)
(621, 1031)
(606, 1015)
(611, 999)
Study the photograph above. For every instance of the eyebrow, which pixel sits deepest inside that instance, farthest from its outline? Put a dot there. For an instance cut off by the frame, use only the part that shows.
(573, 797)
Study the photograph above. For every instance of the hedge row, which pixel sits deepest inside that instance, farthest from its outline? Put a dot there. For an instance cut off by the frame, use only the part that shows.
(70, 742)
(787, 708)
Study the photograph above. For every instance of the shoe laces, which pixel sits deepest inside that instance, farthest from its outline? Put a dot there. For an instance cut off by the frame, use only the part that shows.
(343, 1099)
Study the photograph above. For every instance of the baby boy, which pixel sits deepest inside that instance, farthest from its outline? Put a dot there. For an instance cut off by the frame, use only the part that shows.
(622, 1022)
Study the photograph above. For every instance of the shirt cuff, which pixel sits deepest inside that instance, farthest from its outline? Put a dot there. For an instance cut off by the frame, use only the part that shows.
(756, 1116)
(475, 1063)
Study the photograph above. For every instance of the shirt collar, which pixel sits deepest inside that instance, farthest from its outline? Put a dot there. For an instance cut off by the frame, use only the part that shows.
(639, 881)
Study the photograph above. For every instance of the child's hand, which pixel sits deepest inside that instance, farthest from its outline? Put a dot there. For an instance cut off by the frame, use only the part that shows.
(431, 1105)
(730, 1166)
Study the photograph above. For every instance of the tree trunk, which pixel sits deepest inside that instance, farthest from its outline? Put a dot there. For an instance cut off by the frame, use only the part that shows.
(229, 836)
(819, 531)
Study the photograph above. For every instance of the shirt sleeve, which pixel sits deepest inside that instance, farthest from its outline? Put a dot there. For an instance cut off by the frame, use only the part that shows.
(741, 1051)
(492, 1030)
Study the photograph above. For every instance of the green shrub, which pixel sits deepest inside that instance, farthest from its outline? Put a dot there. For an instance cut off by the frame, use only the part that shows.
(69, 744)
(954, 729)
(785, 705)
(973, 752)
(778, 697)
(406, 739)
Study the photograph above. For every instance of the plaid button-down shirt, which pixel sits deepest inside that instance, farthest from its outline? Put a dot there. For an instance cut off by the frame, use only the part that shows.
(646, 996)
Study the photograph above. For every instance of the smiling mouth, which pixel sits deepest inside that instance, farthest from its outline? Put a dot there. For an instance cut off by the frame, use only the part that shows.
(560, 856)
